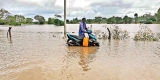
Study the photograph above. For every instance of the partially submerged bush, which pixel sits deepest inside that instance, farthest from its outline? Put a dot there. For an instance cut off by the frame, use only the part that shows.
(145, 34)
(101, 34)
(155, 39)
(98, 34)
(118, 33)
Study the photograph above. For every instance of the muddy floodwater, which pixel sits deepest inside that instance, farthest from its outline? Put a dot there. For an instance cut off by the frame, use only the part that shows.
(41, 53)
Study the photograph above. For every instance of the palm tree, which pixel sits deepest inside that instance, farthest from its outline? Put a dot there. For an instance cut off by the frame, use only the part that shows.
(136, 16)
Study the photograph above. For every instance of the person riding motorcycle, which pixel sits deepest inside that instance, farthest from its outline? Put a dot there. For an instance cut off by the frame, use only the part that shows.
(82, 27)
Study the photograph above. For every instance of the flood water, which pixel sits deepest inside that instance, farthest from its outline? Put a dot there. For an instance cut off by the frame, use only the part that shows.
(40, 53)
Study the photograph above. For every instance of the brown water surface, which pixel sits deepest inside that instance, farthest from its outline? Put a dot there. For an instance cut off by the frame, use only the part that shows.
(38, 55)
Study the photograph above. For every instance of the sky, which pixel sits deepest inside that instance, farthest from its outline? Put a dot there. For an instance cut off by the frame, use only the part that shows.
(80, 8)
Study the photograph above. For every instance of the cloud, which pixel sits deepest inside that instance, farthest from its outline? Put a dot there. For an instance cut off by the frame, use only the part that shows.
(31, 8)
(125, 7)
(80, 8)
(113, 3)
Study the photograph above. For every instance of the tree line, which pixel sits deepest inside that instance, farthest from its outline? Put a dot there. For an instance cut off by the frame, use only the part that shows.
(7, 19)
(145, 19)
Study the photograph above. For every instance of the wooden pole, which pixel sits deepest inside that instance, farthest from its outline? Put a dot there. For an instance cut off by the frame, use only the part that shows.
(109, 37)
(9, 31)
(64, 17)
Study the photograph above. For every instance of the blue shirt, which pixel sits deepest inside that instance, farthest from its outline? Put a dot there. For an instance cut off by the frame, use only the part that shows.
(82, 29)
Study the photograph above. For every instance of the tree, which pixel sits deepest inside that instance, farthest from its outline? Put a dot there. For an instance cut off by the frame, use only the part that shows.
(118, 20)
(40, 19)
(3, 13)
(1, 22)
(67, 21)
(58, 22)
(11, 20)
(75, 20)
(57, 16)
(158, 15)
(136, 16)
(104, 20)
(111, 20)
(50, 20)
(152, 19)
(125, 19)
(29, 20)
(149, 22)
(130, 20)
(20, 19)
(89, 21)
(98, 19)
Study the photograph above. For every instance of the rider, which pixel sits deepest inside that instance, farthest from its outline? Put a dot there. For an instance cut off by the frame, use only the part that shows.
(82, 27)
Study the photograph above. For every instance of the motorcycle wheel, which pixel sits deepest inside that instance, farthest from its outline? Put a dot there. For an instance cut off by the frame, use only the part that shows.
(96, 44)
(70, 44)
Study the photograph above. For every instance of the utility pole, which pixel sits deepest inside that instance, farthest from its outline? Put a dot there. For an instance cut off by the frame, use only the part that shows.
(64, 17)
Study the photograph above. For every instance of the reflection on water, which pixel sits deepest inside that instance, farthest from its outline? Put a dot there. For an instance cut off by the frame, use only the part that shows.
(85, 59)
(10, 39)
(42, 55)
(86, 55)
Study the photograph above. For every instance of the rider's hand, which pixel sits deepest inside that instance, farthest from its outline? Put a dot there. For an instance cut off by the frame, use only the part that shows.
(85, 31)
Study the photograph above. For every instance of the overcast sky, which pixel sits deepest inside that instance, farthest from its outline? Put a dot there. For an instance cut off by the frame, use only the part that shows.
(80, 8)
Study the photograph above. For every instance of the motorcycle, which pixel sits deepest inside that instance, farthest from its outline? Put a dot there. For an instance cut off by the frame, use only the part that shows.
(74, 40)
